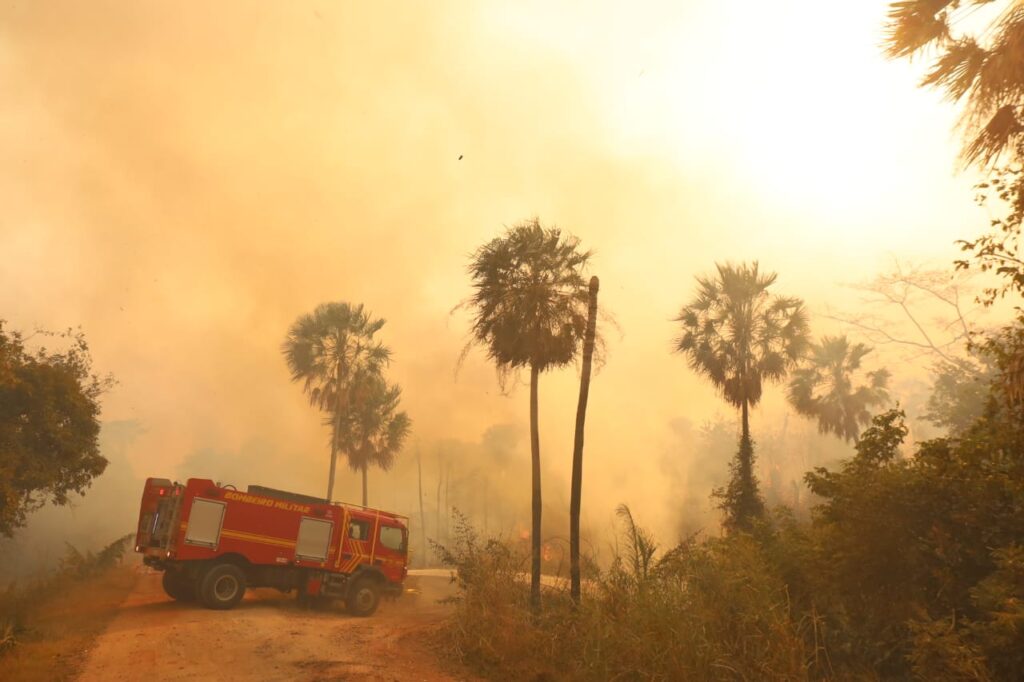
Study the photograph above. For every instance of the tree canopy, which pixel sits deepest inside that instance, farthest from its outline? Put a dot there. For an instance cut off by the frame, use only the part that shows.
(326, 350)
(983, 67)
(373, 430)
(832, 388)
(530, 297)
(738, 335)
(49, 425)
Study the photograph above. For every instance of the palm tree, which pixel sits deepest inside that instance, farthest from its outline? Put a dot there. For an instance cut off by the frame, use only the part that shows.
(975, 62)
(576, 494)
(739, 336)
(824, 388)
(373, 431)
(324, 350)
(529, 311)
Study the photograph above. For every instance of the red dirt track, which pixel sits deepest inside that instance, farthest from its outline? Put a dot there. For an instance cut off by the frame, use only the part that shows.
(269, 637)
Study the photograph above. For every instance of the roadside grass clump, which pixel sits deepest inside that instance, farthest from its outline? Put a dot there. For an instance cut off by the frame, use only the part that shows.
(702, 610)
(494, 629)
(19, 603)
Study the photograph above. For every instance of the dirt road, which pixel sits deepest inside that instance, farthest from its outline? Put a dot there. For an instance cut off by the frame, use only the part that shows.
(269, 637)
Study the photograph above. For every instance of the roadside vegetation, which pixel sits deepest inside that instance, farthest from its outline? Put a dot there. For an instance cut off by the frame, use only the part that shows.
(910, 564)
(49, 423)
(48, 624)
(910, 567)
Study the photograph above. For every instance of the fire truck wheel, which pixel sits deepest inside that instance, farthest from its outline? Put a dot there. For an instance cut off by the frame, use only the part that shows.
(222, 587)
(178, 587)
(363, 597)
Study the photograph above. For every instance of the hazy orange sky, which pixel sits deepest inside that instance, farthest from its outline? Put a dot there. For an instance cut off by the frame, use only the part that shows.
(184, 179)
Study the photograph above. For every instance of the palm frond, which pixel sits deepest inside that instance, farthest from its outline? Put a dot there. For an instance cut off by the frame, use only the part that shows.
(738, 335)
(996, 136)
(913, 24)
(958, 69)
(831, 388)
(530, 297)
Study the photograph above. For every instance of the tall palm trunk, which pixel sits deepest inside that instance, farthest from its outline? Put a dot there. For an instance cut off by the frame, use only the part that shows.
(749, 505)
(437, 512)
(536, 506)
(746, 455)
(338, 407)
(423, 514)
(577, 448)
(486, 498)
(364, 468)
(334, 454)
(745, 434)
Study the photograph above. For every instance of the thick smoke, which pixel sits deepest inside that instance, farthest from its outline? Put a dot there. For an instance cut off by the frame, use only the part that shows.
(183, 181)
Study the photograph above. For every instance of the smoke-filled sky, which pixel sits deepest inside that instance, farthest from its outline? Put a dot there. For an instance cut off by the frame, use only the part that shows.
(184, 179)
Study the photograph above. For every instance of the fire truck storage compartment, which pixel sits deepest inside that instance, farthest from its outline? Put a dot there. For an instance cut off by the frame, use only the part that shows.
(160, 522)
(314, 538)
(204, 522)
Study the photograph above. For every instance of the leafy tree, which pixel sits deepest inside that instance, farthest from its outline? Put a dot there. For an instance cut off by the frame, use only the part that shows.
(739, 336)
(824, 388)
(325, 350)
(1000, 251)
(906, 547)
(960, 393)
(373, 431)
(49, 425)
(529, 311)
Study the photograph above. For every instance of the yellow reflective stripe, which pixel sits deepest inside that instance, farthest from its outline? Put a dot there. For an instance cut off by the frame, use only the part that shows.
(253, 537)
(373, 538)
(358, 555)
(344, 536)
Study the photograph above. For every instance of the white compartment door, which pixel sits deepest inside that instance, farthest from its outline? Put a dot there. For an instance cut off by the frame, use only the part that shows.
(204, 522)
(314, 538)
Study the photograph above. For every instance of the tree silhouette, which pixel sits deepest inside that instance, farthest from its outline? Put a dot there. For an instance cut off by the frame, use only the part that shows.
(324, 350)
(49, 425)
(824, 388)
(373, 431)
(739, 336)
(576, 494)
(529, 311)
(981, 68)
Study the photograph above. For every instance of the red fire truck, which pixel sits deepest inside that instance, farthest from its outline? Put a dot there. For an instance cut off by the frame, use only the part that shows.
(212, 542)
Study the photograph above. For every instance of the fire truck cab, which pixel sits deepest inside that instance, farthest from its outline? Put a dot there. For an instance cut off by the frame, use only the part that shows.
(212, 542)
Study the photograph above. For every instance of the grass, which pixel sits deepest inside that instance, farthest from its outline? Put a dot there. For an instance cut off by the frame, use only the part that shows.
(48, 627)
(701, 611)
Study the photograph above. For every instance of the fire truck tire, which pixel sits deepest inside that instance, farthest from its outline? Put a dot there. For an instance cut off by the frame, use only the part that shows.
(363, 597)
(222, 586)
(178, 587)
